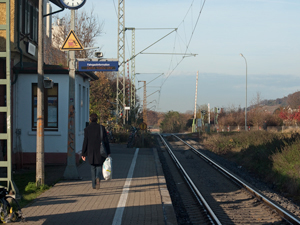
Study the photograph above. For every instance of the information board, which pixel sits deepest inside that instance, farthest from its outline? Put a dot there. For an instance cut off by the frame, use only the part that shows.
(98, 66)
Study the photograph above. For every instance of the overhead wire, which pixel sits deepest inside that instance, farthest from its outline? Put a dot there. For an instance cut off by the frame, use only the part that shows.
(186, 13)
(177, 34)
(199, 14)
(196, 24)
(187, 43)
(129, 50)
(115, 8)
(174, 49)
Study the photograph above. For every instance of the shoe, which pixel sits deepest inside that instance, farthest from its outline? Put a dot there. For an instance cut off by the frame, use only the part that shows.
(97, 183)
(94, 188)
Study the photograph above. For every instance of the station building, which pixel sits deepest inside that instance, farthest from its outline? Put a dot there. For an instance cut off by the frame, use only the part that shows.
(18, 113)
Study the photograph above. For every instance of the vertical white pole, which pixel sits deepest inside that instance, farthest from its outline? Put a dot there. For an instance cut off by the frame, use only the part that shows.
(40, 173)
(196, 96)
(71, 169)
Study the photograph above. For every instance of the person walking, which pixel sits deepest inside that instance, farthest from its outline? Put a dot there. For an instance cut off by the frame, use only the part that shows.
(91, 148)
(265, 125)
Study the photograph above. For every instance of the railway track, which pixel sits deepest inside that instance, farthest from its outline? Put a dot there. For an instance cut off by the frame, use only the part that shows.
(222, 198)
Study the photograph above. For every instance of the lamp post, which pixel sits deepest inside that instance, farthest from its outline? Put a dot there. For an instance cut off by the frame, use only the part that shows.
(246, 93)
(144, 103)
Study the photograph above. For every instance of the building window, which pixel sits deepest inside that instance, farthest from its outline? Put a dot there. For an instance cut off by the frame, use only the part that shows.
(50, 107)
(83, 107)
(29, 19)
(87, 105)
(20, 10)
(80, 106)
(35, 25)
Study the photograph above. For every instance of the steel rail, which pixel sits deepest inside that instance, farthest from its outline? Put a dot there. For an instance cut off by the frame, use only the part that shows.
(282, 212)
(211, 215)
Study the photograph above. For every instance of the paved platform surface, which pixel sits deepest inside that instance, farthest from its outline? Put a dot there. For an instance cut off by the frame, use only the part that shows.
(137, 195)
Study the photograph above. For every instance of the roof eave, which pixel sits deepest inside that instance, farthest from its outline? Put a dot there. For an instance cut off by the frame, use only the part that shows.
(90, 75)
(57, 3)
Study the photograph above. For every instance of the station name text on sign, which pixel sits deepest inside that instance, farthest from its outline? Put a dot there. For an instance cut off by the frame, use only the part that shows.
(98, 66)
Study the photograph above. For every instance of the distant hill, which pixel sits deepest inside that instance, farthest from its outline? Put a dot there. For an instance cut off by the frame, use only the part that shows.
(292, 100)
(276, 102)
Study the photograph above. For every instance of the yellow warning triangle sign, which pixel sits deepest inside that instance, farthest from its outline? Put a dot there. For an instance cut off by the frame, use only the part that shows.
(71, 43)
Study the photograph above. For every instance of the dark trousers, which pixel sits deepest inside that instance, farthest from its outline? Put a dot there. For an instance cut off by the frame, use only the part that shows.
(96, 173)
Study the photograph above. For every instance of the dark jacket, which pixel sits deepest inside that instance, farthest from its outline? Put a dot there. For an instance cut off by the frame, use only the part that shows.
(91, 143)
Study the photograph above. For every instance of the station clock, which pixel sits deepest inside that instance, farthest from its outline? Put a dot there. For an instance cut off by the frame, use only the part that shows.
(72, 4)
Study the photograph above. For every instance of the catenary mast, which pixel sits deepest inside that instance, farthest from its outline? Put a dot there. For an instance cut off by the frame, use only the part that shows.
(195, 110)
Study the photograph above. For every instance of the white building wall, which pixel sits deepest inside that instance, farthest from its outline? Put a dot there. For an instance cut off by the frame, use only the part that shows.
(55, 141)
(57, 29)
(81, 109)
(49, 21)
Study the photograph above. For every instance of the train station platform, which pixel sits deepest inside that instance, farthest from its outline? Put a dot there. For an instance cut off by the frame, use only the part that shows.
(137, 195)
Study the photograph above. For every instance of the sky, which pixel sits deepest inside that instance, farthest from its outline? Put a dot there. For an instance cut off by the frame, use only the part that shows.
(266, 32)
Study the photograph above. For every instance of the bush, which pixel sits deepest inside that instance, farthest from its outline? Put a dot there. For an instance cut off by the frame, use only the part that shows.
(225, 142)
(31, 187)
(273, 157)
(286, 167)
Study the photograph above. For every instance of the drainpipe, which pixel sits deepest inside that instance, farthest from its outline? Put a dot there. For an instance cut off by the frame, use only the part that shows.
(18, 44)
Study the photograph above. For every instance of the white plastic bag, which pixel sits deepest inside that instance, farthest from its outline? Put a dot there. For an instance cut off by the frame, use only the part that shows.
(107, 168)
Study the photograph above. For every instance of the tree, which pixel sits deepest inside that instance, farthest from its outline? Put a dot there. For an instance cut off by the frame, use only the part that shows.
(290, 116)
(296, 115)
(171, 122)
(256, 114)
(273, 120)
(101, 98)
(53, 55)
(152, 117)
(293, 100)
(174, 122)
(87, 29)
(239, 116)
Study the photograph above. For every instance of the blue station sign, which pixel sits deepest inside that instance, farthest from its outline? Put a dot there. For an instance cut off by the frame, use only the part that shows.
(103, 66)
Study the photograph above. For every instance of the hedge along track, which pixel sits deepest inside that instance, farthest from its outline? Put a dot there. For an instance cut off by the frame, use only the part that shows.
(227, 199)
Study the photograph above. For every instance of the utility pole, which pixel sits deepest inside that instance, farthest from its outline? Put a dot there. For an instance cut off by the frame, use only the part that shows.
(132, 61)
(40, 166)
(208, 109)
(71, 169)
(195, 110)
(121, 89)
(246, 129)
(208, 122)
(144, 103)
(132, 98)
(144, 110)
